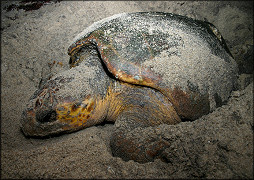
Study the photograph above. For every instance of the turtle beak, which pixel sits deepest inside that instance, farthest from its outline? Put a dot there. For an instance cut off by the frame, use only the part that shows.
(42, 121)
(34, 125)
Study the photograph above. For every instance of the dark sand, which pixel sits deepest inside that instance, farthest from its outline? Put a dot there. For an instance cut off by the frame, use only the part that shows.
(34, 46)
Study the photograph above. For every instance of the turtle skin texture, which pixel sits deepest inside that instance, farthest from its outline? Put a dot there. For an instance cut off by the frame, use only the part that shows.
(139, 70)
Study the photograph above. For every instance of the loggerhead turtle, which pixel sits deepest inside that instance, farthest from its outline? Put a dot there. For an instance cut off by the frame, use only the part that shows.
(137, 70)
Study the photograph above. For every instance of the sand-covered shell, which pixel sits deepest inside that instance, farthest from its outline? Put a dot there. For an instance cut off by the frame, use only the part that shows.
(187, 60)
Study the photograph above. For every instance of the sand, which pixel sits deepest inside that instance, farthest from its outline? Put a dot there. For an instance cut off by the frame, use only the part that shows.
(34, 47)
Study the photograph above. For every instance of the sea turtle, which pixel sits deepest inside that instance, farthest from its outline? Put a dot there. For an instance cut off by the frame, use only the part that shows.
(137, 70)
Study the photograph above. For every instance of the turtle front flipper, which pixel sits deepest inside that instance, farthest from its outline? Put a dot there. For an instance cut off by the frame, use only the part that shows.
(144, 108)
(134, 145)
(126, 70)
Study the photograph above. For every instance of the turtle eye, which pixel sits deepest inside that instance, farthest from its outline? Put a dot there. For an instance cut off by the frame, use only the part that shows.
(70, 61)
(73, 61)
(47, 116)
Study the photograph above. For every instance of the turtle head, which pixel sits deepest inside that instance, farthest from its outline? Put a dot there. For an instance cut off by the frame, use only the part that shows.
(69, 101)
(50, 112)
(65, 116)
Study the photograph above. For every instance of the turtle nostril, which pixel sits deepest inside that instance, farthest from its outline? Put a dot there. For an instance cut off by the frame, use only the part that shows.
(46, 116)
